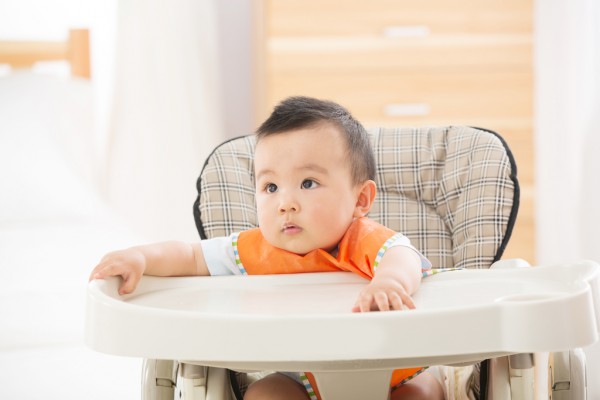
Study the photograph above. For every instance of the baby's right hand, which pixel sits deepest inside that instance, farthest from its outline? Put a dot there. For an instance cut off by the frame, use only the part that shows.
(129, 264)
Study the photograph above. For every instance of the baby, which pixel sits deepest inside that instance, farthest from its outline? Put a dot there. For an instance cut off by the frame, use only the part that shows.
(314, 170)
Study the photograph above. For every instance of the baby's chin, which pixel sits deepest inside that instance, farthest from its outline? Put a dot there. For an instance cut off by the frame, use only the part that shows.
(304, 250)
(299, 250)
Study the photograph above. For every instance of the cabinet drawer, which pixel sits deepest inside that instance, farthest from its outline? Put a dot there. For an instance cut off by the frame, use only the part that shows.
(508, 51)
(396, 17)
(381, 96)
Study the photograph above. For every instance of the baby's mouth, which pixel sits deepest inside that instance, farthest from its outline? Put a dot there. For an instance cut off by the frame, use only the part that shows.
(290, 228)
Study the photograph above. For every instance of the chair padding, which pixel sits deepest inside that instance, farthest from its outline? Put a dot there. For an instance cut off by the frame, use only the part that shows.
(452, 190)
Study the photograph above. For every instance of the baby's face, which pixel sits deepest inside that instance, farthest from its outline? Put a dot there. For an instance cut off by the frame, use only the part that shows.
(304, 192)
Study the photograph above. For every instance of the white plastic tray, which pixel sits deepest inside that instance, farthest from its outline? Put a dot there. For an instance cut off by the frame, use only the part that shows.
(303, 322)
(253, 320)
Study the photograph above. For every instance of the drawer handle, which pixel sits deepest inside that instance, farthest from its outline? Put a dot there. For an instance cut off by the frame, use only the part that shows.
(406, 31)
(407, 109)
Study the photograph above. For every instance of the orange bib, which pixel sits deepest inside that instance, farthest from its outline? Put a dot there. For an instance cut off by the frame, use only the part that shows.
(359, 252)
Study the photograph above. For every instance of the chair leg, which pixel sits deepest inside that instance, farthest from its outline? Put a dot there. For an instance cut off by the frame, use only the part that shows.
(192, 382)
(568, 378)
(159, 379)
(498, 384)
(218, 385)
(522, 376)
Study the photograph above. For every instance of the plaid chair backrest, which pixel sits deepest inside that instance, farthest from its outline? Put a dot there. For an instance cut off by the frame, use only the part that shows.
(451, 190)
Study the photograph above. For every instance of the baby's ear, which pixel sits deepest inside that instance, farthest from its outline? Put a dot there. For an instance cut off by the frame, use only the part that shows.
(366, 197)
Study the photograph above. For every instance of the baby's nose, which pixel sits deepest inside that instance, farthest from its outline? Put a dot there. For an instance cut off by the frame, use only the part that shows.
(288, 206)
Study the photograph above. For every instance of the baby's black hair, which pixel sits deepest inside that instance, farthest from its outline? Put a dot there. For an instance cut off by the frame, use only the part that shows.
(303, 112)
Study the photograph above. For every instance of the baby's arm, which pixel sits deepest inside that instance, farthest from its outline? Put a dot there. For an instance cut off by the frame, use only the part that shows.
(396, 279)
(158, 259)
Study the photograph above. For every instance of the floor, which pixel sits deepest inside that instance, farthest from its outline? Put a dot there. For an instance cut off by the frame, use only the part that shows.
(67, 372)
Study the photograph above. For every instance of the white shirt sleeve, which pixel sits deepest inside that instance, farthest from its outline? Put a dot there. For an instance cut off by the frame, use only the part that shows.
(402, 240)
(219, 256)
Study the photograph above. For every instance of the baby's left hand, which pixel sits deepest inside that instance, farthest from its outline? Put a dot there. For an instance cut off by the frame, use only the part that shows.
(383, 295)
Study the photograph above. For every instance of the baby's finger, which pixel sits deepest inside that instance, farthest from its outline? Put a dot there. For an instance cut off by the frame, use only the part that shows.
(408, 302)
(110, 269)
(98, 272)
(363, 304)
(396, 302)
(102, 271)
(128, 285)
(382, 301)
(93, 274)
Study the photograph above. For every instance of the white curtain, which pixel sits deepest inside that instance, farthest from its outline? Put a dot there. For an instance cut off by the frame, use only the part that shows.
(165, 113)
(567, 124)
(567, 65)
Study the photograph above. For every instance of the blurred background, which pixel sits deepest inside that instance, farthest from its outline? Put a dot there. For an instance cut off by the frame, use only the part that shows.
(106, 155)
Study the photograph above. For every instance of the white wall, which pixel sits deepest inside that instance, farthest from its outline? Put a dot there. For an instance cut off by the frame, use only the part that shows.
(39, 19)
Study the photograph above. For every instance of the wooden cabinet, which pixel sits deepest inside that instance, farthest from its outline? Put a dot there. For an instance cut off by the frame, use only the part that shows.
(411, 63)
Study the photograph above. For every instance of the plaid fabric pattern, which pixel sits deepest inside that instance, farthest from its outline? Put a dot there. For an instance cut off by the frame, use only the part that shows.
(225, 202)
(451, 190)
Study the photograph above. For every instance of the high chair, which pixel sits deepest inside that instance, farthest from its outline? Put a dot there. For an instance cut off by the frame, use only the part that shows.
(453, 191)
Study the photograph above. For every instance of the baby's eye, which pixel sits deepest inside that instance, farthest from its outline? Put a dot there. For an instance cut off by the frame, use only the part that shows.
(309, 184)
(271, 188)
